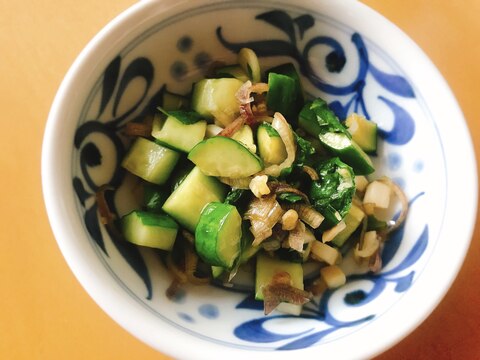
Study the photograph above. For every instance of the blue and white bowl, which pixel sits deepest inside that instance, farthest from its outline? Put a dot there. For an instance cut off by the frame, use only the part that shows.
(347, 54)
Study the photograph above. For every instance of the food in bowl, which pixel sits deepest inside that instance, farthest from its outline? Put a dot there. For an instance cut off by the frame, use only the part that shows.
(346, 54)
(217, 197)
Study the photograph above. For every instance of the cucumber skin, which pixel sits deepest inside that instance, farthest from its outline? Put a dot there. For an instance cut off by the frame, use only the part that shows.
(352, 155)
(174, 134)
(141, 155)
(266, 269)
(365, 134)
(210, 236)
(270, 145)
(162, 234)
(223, 156)
(154, 197)
(281, 96)
(186, 202)
(215, 98)
(288, 69)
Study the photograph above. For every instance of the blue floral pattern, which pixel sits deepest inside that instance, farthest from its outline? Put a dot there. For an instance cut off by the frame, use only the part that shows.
(111, 118)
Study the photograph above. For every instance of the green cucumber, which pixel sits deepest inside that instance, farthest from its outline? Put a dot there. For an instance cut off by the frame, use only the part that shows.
(186, 202)
(232, 71)
(348, 151)
(268, 267)
(150, 161)
(363, 132)
(171, 101)
(154, 197)
(245, 136)
(282, 96)
(176, 134)
(223, 156)
(270, 145)
(215, 98)
(317, 119)
(217, 271)
(148, 229)
(353, 219)
(289, 70)
(218, 235)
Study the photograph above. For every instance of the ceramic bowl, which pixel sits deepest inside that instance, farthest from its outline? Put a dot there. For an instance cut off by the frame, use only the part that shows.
(346, 53)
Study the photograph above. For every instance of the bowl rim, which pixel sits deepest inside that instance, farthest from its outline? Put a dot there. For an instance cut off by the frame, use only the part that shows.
(96, 281)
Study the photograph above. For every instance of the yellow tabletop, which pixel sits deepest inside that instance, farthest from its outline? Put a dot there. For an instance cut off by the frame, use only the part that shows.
(44, 312)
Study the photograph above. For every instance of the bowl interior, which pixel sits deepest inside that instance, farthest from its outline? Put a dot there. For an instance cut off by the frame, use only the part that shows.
(348, 65)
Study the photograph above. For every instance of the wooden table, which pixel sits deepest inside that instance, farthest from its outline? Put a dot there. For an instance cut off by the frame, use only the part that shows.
(44, 312)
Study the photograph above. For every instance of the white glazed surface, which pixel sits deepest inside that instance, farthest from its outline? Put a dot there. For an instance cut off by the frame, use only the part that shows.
(432, 164)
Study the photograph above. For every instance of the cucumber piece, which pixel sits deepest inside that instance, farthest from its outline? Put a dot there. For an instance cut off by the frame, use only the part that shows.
(270, 145)
(267, 267)
(289, 70)
(282, 96)
(248, 250)
(186, 202)
(348, 151)
(245, 137)
(232, 71)
(249, 63)
(363, 132)
(223, 156)
(218, 235)
(215, 98)
(154, 197)
(148, 229)
(174, 133)
(150, 161)
(171, 101)
(217, 271)
(353, 219)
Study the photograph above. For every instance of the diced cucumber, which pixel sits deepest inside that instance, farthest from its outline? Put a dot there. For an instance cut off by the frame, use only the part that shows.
(289, 70)
(215, 98)
(318, 119)
(248, 250)
(245, 136)
(154, 197)
(363, 132)
(282, 96)
(218, 234)
(150, 161)
(217, 271)
(186, 202)
(353, 219)
(148, 229)
(270, 145)
(348, 151)
(171, 101)
(176, 134)
(267, 267)
(223, 156)
(232, 71)
(249, 63)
